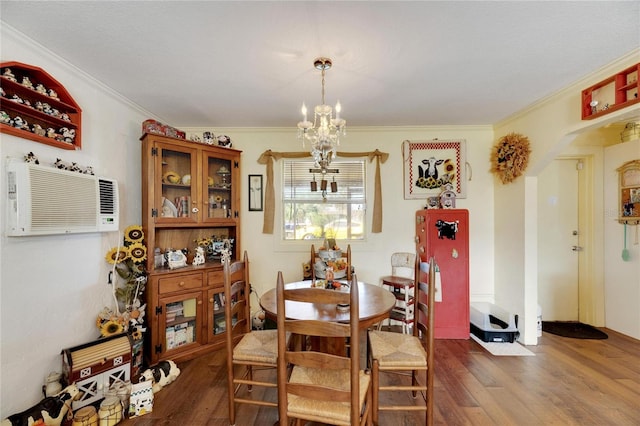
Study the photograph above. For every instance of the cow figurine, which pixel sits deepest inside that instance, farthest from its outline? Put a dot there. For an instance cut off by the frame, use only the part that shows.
(161, 374)
(50, 411)
(224, 140)
(31, 158)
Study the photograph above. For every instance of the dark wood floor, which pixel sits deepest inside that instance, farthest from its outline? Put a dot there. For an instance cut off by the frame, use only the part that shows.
(568, 382)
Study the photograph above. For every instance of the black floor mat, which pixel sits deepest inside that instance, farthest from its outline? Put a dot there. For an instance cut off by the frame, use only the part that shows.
(575, 330)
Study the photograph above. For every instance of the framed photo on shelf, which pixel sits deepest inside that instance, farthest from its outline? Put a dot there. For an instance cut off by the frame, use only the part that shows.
(255, 193)
(429, 165)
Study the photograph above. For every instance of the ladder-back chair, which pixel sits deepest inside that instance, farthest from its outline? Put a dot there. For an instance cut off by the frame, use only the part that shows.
(316, 386)
(247, 350)
(408, 355)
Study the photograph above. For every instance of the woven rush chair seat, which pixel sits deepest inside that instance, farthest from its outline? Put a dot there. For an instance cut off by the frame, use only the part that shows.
(325, 411)
(397, 350)
(258, 346)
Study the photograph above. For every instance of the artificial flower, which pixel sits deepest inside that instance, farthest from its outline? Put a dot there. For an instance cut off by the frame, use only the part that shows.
(133, 234)
(110, 328)
(117, 255)
(129, 284)
(137, 253)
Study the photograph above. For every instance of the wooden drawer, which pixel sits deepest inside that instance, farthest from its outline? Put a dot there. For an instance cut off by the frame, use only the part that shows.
(215, 278)
(179, 283)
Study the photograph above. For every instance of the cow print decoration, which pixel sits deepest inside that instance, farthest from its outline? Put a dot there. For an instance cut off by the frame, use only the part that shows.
(447, 229)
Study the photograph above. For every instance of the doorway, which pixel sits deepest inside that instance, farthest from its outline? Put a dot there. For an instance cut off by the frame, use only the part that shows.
(563, 229)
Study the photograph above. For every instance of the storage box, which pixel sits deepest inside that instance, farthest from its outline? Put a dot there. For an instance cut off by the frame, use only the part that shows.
(491, 323)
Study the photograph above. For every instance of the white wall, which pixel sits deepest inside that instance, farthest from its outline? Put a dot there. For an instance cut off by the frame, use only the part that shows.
(52, 287)
(371, 258)
(622, 296)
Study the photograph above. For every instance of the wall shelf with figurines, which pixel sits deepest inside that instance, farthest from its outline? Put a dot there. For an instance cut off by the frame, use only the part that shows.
(35, 106)
(611, 94)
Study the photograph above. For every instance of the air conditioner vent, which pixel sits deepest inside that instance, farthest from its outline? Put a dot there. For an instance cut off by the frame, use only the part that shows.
(108, 202)
(44, 200)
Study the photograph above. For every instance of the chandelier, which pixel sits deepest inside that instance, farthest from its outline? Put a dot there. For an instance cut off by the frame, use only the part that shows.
(323, 135)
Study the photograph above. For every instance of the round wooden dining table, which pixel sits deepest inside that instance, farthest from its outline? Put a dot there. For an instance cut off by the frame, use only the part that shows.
(375, 305)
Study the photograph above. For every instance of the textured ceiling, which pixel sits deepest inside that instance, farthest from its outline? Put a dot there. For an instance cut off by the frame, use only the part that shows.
(249, 64)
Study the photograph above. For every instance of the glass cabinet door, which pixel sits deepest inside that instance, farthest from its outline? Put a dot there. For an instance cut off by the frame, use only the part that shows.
(180, 321)
(177, 200)
(217, 324)
(218, 172)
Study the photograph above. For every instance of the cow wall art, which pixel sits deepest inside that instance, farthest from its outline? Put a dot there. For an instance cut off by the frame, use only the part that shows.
(429, 165)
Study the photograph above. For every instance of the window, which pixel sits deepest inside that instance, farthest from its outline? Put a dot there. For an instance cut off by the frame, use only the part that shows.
(307, 215)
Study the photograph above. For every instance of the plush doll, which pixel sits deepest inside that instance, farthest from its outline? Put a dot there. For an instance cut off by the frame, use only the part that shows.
(161, 374)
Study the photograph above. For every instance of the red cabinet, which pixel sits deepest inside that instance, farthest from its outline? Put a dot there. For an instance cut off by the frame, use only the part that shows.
(444, 235)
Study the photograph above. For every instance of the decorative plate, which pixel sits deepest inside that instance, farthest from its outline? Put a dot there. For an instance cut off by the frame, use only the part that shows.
(169, 209)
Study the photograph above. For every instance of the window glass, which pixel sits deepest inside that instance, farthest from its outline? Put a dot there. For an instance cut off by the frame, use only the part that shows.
(337, 212)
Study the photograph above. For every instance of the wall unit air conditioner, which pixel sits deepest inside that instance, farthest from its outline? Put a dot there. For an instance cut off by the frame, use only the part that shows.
(45, 201)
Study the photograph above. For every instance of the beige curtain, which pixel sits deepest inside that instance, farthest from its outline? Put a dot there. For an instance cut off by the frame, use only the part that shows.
(268, 157)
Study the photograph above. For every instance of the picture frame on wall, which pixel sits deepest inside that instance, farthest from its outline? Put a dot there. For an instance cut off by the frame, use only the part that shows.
(429, 165)
(255, 193)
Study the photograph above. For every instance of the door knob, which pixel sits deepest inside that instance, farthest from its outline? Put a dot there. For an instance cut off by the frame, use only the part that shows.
(576, 248)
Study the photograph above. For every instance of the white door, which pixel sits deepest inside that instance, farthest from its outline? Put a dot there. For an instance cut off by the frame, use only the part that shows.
(558, 241)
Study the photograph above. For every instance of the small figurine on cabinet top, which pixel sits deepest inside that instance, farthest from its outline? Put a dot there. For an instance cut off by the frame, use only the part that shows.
(224, 140)
(448, 197)
(88, 171)
(198, 259)
(176, 259)
(207, 137)
(433, 202)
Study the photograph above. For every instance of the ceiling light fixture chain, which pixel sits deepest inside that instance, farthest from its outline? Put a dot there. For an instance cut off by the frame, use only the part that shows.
(324, 133)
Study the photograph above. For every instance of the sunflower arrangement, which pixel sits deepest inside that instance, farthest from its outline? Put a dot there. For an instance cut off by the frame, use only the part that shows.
(128, 261)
